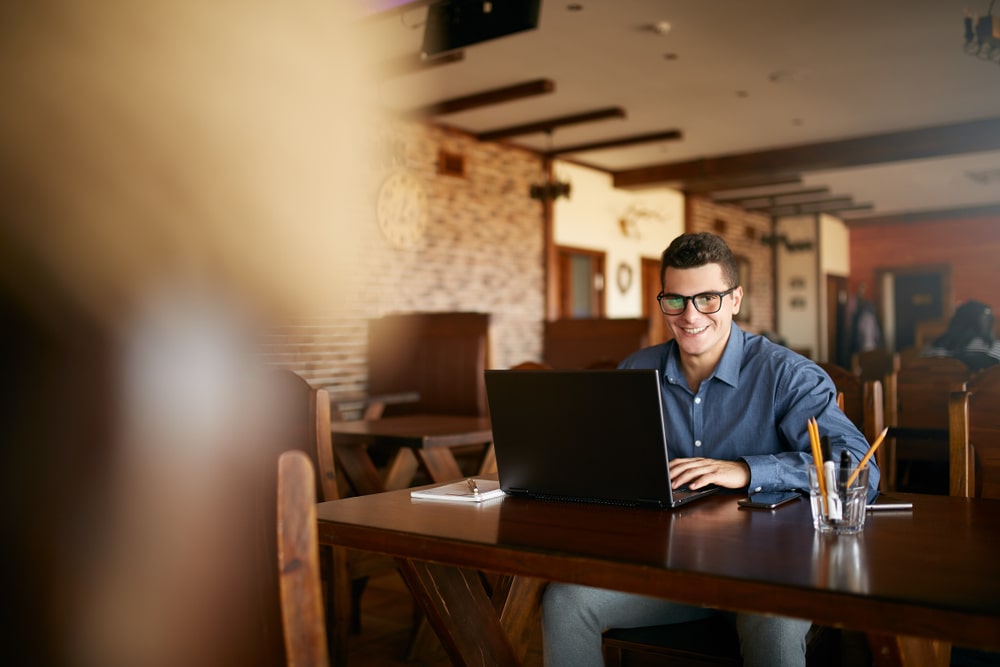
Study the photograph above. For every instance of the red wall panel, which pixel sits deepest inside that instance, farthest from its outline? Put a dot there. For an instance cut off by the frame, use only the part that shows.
(971, 247)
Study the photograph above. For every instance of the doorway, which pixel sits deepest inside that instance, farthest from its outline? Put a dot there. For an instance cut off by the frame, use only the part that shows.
(651, 284)
(918, 294)
(838, 328)
(581, 282)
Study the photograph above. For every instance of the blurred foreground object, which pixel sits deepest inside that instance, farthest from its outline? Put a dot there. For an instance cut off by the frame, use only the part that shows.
(173, 176)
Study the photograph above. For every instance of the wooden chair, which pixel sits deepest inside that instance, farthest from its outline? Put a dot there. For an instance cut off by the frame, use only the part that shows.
(578, 342)
(708, 642)
(531, 366)
(862, 402)
(302, 615)
(974, 437)
(923, 390)
(601, 364)
(974, 460)
(440, 356)
(306, 428)
(880, 365)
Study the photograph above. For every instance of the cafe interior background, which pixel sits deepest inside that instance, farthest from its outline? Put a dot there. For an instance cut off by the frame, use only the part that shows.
(193, 191)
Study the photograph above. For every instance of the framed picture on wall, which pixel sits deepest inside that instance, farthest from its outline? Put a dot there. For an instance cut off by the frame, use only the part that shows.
(743, 265)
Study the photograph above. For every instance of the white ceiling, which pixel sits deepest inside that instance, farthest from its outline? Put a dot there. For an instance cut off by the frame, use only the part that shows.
(734, 76)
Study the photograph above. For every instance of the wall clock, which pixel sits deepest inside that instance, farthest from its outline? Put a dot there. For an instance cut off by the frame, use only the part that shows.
(624, 277)
(401, 209)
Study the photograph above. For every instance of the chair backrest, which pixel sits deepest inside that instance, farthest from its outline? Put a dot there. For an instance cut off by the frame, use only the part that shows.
(863, 403)
(531, 366)
(302, 614)
(919, 440)
(882, 365)
(874, 364)
(923, 386)
(583, 342)
(440, 356)
(974, 430)
(304, 425)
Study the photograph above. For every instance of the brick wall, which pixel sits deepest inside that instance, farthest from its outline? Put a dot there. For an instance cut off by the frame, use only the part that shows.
(743, 232)
(482, 252)
(971, 247)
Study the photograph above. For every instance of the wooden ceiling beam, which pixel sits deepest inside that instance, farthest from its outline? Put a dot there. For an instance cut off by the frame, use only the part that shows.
(707, 187)
(831, 201)
(484, 98)
(968, 137)
(667, 135)
(416, 63)
(551, 124)
(769, 196)
(804, 209)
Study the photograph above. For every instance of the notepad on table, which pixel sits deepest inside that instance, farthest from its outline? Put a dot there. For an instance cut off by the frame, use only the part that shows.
(461, 491)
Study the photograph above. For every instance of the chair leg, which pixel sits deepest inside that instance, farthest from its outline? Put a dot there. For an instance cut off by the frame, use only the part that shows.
(357, 589)
(338, 600)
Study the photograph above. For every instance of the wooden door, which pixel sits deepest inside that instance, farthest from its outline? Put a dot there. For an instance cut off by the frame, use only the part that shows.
(920, 294)
(581, 282)
(837, 324)
(651, 284)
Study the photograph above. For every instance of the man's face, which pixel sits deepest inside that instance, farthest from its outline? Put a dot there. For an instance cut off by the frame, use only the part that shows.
(696, 333)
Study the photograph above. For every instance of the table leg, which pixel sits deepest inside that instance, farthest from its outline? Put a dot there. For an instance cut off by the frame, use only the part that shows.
(457, 607)
(439, 464)
(400, 471)
(518, 601)
(358, 468)
(489, 463)
(896, 651)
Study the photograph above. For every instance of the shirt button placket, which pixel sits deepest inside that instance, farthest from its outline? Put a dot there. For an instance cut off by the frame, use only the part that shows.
(697, 415)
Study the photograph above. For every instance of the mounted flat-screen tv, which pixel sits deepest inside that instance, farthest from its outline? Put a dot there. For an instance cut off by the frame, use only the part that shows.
(454, 24)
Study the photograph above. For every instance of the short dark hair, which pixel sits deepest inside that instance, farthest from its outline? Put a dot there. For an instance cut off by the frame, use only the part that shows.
(689, 251)
(973, 319)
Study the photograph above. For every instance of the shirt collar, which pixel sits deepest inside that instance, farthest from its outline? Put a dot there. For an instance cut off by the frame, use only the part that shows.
(731, 362)
(728, 368)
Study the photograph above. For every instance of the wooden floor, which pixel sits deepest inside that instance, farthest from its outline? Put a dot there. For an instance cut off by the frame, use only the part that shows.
(387, 627)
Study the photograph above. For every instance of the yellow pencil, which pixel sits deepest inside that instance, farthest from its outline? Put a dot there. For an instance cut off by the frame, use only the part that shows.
(817, 452)
(867, 457)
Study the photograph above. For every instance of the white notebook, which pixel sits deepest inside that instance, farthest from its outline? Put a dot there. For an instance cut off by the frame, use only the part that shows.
(461, 491)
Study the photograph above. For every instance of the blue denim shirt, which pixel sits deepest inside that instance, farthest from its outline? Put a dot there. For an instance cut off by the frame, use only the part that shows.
(754, 407)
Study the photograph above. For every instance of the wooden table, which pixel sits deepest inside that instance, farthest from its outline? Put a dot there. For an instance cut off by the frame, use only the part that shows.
(910, 578)
(368, 406)
(430, 437)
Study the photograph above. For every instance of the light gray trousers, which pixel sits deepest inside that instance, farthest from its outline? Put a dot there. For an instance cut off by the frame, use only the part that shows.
(573, 618)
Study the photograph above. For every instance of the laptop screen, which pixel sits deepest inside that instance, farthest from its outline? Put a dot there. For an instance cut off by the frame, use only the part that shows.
(591, 435)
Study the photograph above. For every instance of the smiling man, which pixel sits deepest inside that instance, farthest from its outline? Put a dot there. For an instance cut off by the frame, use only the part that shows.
(735, 412)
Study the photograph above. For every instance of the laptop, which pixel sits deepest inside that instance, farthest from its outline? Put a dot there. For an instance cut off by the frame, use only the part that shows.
(583, 435)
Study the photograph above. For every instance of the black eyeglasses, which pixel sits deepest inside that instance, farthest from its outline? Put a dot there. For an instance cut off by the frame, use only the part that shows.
(705, 303)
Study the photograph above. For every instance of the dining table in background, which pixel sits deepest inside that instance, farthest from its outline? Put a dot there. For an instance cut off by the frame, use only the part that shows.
(408, 441)
(916, 582)
(362, 405)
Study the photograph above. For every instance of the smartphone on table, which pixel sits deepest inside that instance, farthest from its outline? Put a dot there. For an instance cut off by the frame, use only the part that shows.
(768, 500)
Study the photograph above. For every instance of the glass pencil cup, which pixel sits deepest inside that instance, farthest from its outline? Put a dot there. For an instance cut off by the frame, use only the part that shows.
(842, 510)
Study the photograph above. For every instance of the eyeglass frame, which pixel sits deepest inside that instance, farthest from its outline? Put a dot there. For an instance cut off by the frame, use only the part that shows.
(661, 296)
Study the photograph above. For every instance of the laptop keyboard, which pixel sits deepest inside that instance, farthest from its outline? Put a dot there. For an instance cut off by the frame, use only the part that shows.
(685, 491)
(589, 501)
